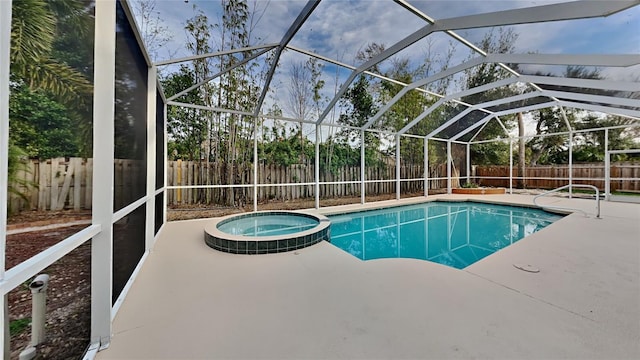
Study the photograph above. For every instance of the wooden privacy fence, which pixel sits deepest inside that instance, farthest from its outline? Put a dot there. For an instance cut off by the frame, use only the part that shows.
(61, 183)
(192, 173)
(53, 184)
(553, 176)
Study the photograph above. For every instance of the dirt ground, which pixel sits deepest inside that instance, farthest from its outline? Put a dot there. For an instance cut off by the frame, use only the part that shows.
(68, 296)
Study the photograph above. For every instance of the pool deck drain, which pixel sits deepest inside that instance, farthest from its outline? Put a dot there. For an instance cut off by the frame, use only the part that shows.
(189, 302)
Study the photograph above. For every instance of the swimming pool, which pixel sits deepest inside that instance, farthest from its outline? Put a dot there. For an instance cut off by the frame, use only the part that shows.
(456, 234)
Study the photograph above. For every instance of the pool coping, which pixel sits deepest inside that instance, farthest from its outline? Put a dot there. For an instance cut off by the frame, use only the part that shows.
(417, 201)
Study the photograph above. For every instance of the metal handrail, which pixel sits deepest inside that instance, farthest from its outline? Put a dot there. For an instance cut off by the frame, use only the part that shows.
(567, 208)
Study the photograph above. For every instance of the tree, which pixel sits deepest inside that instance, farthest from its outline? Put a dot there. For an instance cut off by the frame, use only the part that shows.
(222, 137)
(185, 126)
(51, 93)
(304, 98)
(590, 146)
(545, 149)
(155, 35)
(17, 160)
(553, 149)
(40, 125)
(501, 42)
(359, 108)
(33, 32)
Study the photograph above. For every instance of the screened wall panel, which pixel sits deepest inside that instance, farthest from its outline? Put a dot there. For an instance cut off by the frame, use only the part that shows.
(159, 213)
(437, 155)
(130, 115)
(128, 248)
(411, 166)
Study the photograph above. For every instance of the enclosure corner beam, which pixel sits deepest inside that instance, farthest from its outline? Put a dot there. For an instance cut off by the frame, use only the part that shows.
(449, 167)
(316, 168)
(151, 157)
(362, 164)
(255, 163)
(570, 164)
(468, 162)
(5, 61)
(5, 57)
(426, 167)
(510, 166)
(397, 167)
(607, 166)
(165, 138)
(103, 176)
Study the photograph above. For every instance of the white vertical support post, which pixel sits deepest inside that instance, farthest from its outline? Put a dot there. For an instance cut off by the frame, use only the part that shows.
(468, 163)
(362, 164)
(165, 138)
(426, 167)
(5, 61)
(152, 76)
(103, 182)
(448, 167)
(255, 163)
(570, 164)
(316, 169)
(510, 166)
(397, 167)
(607, 166)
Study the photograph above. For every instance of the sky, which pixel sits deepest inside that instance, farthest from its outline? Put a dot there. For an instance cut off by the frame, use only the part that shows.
(339, 28)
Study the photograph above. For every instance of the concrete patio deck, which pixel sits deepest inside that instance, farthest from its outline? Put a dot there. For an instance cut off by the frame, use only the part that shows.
(190, 301)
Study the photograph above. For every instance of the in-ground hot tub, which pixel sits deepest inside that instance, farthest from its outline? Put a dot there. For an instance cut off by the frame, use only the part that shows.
(266, 232)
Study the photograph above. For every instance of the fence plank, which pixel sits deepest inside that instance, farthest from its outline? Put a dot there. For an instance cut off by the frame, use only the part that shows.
(63, 194)
(52, 190)
(77, 183)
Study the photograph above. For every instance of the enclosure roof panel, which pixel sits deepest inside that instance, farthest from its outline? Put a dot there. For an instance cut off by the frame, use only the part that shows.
(582, 54)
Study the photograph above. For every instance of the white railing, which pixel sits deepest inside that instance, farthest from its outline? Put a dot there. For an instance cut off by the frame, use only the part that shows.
(568, 208)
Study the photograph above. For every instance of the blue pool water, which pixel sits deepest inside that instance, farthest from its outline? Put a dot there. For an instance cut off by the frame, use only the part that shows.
(456, 234)
(267, 224)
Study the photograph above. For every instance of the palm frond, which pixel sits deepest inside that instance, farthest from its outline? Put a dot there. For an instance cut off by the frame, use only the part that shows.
(66, 83)
(74, 12)
(32, 33)
(16, 185)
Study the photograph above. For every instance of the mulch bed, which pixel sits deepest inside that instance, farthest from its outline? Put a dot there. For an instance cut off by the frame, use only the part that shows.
(200, 211)
(68, 321)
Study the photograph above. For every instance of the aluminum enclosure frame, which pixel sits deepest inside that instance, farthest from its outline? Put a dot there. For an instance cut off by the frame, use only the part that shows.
(103, 216)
